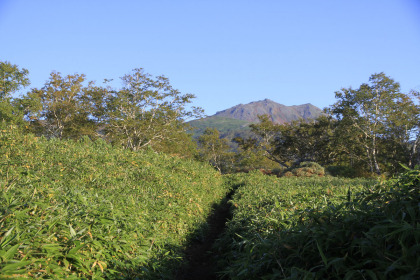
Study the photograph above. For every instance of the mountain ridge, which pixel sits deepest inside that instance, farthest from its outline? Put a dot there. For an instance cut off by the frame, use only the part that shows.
(278, 113)
(235, 120)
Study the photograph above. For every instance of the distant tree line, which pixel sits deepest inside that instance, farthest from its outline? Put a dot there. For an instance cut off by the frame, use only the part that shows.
(369, 130)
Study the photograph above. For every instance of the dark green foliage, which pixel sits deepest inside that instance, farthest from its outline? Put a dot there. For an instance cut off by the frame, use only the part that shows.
(323, 228)
(292, 143)
(87, 210)
(342, 171)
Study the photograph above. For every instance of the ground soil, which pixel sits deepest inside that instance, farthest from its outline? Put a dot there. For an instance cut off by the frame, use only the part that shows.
(199, 258)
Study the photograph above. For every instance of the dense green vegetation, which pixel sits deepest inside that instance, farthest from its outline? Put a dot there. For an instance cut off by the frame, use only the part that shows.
(104, 183)
(322, 228)
(87, 209)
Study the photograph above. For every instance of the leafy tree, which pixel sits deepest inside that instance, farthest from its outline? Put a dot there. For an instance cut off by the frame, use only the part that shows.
(147, 111)
(267, 138)
(349, 153)
(403, 131)
(95, 100)
(376, 115)
(249, 156)
(12, 79)
(291, 143)
(180, 144)
(57, 109)
(303, 141)
(215, 150)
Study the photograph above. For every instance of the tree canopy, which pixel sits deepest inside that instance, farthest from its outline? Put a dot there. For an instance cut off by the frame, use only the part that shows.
(12, 79)
(146, 111)
(380, 120)
(215, 150)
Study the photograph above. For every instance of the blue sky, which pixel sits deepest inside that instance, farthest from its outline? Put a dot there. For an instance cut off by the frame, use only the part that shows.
(224, 52)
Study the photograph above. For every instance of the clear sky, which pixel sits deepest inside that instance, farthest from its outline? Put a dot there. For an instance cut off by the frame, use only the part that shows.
(225, 52)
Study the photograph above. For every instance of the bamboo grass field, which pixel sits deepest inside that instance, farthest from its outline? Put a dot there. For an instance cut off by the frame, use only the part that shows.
(322, 228)
(88, 210)
(82, 209)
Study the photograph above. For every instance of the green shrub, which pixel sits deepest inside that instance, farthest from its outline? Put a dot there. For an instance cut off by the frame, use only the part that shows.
(341, 171)
(305, 169)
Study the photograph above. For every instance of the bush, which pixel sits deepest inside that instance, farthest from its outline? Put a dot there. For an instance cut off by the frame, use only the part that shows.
(341, 171)
(305, 169)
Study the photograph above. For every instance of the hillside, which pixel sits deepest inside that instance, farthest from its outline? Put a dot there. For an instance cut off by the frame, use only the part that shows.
(226, 126)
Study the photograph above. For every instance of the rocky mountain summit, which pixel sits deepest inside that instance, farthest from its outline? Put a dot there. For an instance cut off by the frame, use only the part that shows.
(279, 113)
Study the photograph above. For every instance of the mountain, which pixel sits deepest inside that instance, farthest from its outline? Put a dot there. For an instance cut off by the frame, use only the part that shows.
(235, 121)
(279, 113)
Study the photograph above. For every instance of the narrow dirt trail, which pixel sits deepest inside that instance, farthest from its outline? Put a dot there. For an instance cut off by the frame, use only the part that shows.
(200, 260)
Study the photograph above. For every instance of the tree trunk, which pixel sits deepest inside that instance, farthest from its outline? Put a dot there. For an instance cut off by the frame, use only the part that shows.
(412, 161)
(374, 158)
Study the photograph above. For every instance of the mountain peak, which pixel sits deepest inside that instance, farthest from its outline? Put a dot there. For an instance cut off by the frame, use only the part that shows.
(279, 113)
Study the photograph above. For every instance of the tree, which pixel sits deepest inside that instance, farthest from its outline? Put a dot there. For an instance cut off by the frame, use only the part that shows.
(147, 111)
(375, 114)
(12, 79)
(180, 144)
(249, 156)
(402, 130)
(307, 141)
(95, 100)
(57, 109)
(267, 139)
(215, 150)
(292, 143)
